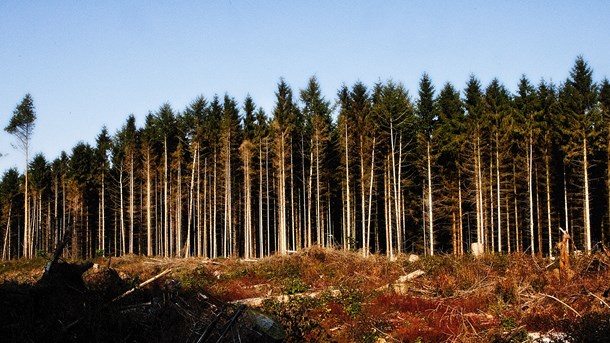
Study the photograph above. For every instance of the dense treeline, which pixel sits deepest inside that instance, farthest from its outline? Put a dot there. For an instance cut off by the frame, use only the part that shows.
(379, 170)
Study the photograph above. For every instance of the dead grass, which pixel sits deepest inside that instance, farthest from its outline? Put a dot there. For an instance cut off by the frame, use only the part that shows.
(461, 299)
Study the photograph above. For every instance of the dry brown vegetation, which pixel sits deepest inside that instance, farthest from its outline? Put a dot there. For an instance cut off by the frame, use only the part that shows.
(329, 295)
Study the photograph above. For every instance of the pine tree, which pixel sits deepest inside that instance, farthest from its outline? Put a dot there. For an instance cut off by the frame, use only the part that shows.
(525, 105)
(474, 108)
(282, 126)
(427, 116)
(579, 97)
(394, 113)
(316, 112)
(103, 145)
(450, 132)
(22, 125)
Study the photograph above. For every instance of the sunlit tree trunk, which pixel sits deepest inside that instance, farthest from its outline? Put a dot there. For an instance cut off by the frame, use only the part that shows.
(166, 237)
(348, 208)
(548, 203)
(498, 195)
(131, 201)
(530, 192)
(261, 252)
(587, 210)
(517, 230)
(248, 234)
(430, 211)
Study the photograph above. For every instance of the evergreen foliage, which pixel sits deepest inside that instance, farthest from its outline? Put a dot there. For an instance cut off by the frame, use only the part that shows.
(376, 171)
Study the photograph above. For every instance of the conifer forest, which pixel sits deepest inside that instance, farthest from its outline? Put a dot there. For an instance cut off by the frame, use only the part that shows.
(378, 169)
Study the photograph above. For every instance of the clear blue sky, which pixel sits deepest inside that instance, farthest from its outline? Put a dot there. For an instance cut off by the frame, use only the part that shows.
(89, 64)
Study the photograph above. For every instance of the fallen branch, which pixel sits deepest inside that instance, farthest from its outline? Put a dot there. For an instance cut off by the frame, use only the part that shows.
(561, 302)
(258, 302)
(141, 285)
(600, 299)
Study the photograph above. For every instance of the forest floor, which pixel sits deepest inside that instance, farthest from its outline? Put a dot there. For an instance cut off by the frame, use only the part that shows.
(317, 295)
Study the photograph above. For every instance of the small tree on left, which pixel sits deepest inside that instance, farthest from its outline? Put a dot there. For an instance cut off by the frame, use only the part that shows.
(21, 126)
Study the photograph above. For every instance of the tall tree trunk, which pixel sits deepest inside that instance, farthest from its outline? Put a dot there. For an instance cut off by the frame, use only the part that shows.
(530, 192)
(281, 228)
(548, 202)
(166, 237)
(319, 218)
(122, 213)
(27, 253)
(498, 194)
(178, 221)
(268, 226)
(131, 203)
(491, 207)
(539, 213)
(149, 246)
(370, 202)
(460, 249)
(6, 247)
(517, 233)
(587, 217)
(261, 246)
(430, 214)
(191, 206)
(213, 236)
(348, 213)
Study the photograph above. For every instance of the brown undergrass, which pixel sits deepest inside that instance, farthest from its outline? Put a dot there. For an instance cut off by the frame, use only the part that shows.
(344, 297)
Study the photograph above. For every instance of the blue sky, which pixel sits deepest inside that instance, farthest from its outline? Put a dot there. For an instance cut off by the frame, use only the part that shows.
(89, 64)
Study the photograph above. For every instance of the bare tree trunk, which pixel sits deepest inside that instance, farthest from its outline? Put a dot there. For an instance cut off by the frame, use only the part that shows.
(121, 213)
(165, 202)
(498, 194)
(248, 235)
(228, 230)
(319, 217)
(517, 234)
(491, 207)
(198, 212)
(369, 217)
(268, 198)
(587, 217)
(149, 246)
(348, 213)
(538, 212)
(481, 219)
(291, 236)
(389, 205)
(6, 248)
(430, 214)
(508, 247)
(131, 202)
(27, 251)
(461, 216)
(178, 216)
(396, 170)
(191, 204)
(213, 236)
(261, 253)
(548, 203)
(530, 192)
(310, 205)
(281, 236)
